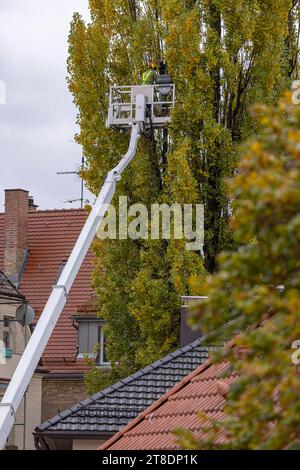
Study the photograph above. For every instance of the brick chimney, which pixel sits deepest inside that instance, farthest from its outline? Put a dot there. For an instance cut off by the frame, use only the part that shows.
(16, 231)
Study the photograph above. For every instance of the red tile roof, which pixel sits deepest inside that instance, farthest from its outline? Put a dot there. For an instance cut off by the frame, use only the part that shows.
(88, 309)
(8, 290)
(200, 391)
(51, 237)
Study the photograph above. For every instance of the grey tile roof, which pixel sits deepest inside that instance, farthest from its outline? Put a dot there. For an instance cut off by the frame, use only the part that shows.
(112, 408)
(7, 289)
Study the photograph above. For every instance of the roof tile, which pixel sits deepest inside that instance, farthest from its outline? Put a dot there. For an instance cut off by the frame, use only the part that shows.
(112, 408)
(51, 238)
(179, 408)
(8, 290)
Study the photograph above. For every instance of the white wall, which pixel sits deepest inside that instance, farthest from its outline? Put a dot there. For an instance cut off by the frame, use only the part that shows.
(17, 336)
(33, 414)
(87, 444)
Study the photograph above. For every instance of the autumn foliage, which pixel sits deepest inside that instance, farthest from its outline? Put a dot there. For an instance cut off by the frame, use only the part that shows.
(256, 292)
(224, 56)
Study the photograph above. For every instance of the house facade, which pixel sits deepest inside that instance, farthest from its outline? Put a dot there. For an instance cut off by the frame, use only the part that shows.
(13, 338)
(34, 247)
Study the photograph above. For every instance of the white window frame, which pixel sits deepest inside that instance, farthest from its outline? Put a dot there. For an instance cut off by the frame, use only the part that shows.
(90, 355)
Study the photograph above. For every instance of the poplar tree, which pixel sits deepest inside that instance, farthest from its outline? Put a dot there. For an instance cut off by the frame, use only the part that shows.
(223, 57)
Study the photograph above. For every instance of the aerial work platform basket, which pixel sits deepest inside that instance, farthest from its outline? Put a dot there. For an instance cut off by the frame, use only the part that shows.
(160, 100)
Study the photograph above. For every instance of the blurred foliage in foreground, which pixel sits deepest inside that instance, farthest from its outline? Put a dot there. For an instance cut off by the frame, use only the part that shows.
(244, 294)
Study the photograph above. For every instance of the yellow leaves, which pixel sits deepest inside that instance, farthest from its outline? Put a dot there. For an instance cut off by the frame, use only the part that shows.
(147, 279)
(285, 103)
(255, 147)
(182, 39)
(198, 284)
(179, 176)
(268, 198)
(293, 144)
(293, 135)
(264, 121)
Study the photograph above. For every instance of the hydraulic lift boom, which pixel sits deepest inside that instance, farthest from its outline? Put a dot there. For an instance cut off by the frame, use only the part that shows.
(56, 302)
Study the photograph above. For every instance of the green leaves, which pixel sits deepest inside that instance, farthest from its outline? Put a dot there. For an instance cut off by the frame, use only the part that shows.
(263, 407)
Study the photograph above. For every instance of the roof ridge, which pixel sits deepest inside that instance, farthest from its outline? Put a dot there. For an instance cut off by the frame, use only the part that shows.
(145, 370)
(56, 211)
(39, 211)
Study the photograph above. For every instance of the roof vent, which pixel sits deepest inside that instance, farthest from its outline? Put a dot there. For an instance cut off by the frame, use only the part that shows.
(32, 206)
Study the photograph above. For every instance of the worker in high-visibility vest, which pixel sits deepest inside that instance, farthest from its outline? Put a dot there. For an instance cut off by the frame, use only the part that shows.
(149, 77)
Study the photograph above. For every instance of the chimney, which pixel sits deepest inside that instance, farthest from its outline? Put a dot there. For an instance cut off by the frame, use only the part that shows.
(188, 333)
(15, 232)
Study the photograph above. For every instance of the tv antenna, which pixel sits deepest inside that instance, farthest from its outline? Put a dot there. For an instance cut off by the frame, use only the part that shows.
(71, 201)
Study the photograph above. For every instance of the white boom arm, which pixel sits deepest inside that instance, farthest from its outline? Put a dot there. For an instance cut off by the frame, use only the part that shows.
(59, 295)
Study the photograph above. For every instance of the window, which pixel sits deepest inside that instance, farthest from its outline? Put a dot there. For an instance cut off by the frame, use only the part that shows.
(6, 339)
(6, 333)
(91, 341)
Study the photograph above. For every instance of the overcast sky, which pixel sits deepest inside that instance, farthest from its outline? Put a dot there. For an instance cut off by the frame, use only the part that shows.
(37, 123)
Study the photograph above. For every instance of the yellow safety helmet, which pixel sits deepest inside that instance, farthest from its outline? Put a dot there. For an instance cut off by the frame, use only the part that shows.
(152, 65)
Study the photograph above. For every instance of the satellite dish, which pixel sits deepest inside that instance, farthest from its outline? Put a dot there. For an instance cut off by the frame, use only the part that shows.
(25, 314)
